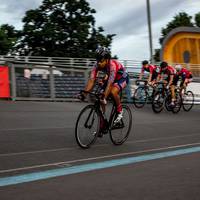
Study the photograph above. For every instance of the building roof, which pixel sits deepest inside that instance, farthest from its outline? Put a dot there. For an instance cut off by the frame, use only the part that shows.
(181, 29)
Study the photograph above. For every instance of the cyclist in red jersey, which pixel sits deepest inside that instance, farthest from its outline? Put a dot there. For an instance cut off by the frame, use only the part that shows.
(116, 77)
(167, 74)
(152, 72)
(185, 75)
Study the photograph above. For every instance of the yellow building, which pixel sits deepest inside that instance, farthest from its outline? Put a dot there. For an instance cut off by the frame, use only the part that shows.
(182, 45)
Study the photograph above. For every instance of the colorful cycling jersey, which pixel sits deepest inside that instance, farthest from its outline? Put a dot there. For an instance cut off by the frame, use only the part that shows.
(184, 73)
(114, 70)
(149, 68)
(169, 70)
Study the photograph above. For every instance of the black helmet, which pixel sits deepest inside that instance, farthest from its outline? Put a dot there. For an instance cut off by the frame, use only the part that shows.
(163, 64)
(145, 62)
(102, 52)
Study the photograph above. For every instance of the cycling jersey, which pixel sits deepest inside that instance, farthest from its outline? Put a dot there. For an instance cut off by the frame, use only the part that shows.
(114, 70)
(149, 68)
(152, 70)
(169, 70)
(184, 73)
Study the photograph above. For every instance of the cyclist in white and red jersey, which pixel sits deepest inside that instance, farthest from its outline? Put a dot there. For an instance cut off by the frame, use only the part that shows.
(117, 77)
(167, 74)
(152, 72)
(185, 75)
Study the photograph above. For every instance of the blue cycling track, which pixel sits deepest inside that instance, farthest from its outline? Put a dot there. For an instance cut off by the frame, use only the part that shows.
(39, 157)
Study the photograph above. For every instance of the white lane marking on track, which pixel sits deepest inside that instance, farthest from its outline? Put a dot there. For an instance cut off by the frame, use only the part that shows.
(96, 158)
(98, 145)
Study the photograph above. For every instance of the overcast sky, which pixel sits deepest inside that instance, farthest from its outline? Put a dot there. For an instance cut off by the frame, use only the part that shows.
(126, 18)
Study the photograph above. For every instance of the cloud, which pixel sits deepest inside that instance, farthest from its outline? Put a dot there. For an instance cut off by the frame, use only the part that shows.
(12, 12)
(127, 19)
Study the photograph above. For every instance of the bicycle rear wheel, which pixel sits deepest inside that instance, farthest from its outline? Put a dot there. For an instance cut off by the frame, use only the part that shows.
(158, 102)
(188, 101)
(120, 131)
(87, 127)
(140, 97)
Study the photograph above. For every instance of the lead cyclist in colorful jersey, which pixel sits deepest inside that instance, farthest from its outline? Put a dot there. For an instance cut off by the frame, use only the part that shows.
(116, 78)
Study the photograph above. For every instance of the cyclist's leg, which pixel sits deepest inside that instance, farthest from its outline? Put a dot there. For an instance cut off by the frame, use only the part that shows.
(172, 88)
(115, 90)
(154, 78)
(153, 82)
(115, 93)
(103, 87)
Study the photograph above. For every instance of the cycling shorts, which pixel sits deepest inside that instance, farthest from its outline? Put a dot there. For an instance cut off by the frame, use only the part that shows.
(120, 84)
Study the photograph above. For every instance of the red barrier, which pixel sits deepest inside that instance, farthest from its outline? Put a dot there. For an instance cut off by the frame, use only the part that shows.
(4, 82)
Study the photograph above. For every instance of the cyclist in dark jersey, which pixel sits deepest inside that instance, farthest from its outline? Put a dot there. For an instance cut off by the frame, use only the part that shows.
(167, 74)
(152, 72)
(116, 77)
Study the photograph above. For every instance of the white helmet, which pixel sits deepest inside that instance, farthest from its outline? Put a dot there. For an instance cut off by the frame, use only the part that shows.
(178, 68)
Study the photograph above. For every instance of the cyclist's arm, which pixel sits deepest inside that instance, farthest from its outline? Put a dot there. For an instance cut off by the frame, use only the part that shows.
(90, 84)
(159, 78)
(150, 77)
(91, 81)
(171, 79)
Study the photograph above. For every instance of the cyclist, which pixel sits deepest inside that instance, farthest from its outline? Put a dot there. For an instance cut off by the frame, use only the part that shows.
(185, 75)
(152, 72)
(169, 80)
(116, 78)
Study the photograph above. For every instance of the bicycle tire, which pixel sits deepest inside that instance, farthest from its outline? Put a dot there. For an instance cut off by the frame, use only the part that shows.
(119, 135)
(168, 102)
(140, 97)
(90, 138)
(184, 102)
(158, 102)
(178, 104)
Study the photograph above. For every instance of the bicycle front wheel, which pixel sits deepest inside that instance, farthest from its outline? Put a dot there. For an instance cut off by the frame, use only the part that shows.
(178, 103)
(120, 131)
(140, 97)
(158, 102)
(87, 127)
(188, 101)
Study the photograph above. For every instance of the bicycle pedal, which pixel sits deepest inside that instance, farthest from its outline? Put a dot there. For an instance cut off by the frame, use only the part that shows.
(117, 125)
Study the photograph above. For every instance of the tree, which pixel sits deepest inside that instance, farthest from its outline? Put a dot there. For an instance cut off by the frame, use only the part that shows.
(197, 19)
(8, 38)
(181, 19)
(61, 28)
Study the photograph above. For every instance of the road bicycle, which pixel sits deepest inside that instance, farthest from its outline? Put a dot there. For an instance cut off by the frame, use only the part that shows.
(92, 123)
(162, 98)
(143, 93)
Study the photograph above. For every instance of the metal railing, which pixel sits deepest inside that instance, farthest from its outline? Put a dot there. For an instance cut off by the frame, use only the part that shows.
(50, 70)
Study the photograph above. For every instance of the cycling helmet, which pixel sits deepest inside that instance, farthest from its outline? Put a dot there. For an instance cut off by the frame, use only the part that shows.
(163, 64)
(145, 62)
(102, 53)
(178, 68)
